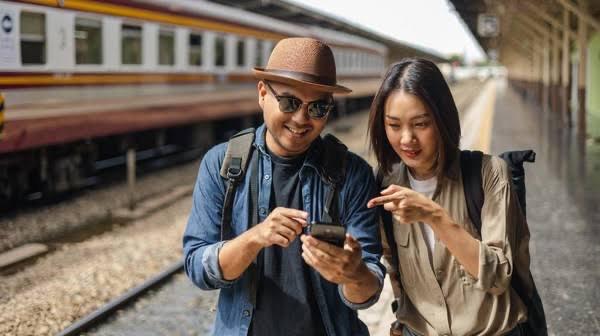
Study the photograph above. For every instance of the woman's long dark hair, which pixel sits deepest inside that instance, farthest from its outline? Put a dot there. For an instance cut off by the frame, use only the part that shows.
(423, 79)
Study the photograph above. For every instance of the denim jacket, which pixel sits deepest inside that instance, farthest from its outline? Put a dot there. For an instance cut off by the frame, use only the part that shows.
(201, 240)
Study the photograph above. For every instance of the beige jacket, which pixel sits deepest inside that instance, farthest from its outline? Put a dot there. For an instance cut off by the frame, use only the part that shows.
(442, 298)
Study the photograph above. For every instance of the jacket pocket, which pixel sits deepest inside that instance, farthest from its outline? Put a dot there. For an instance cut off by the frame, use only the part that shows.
(405, 253)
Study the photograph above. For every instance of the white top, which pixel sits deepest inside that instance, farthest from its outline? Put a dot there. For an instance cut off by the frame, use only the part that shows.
(427, 188)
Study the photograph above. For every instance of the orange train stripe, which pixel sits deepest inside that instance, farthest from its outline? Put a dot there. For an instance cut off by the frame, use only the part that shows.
(144, 14)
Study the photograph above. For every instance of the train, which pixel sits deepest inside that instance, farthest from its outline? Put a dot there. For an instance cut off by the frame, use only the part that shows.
(84, 81)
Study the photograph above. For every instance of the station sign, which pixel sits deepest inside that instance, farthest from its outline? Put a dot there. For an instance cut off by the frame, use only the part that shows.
(9, 38)
(488, 25)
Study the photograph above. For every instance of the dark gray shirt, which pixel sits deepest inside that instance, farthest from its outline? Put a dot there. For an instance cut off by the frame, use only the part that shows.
(285, 303)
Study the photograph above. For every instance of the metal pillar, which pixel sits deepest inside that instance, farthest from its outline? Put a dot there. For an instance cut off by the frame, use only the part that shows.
(131, 176)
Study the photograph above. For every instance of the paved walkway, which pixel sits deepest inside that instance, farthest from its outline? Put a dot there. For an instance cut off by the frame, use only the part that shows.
(563, 195)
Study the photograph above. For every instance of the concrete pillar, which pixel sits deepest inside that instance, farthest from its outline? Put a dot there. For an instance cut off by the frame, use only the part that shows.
(546, 73)
(555, 75)
(537, 70)
(565, 56)
(582, 35)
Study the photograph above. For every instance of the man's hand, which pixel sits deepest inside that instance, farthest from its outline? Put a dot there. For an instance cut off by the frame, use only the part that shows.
(281, 227)
(396, 328)
(337, 265)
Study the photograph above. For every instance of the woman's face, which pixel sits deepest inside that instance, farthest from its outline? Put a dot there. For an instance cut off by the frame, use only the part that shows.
(411, 130)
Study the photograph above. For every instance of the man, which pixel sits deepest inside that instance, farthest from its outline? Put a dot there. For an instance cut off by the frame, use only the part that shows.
(302, 286)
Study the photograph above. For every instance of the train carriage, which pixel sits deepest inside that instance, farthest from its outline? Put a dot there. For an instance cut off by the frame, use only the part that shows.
(85, 80)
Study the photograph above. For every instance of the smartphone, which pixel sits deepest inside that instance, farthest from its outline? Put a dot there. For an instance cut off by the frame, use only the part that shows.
(333, 234)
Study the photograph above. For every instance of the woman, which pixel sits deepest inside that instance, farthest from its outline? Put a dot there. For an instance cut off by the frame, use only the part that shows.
(449, 280)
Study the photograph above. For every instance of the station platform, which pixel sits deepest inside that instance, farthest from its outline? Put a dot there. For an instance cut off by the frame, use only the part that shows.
(563, 196)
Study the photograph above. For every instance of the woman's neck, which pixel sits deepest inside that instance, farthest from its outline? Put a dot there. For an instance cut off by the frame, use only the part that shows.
(422, 175)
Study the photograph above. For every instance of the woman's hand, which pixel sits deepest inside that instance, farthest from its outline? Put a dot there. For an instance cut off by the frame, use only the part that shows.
(408, 206)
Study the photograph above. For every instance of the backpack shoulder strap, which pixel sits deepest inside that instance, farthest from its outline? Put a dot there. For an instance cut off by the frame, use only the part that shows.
(238, 153)
(235, 163)
(388, 226)
(333, 159)
(333, 165)
(470, 166)
(388, 231)
(238, 156)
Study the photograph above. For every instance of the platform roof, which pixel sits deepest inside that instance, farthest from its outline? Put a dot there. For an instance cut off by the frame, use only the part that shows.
(291, 12)
(518, 17)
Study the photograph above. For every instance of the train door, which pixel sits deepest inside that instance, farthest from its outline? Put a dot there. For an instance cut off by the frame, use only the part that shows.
(61, 55)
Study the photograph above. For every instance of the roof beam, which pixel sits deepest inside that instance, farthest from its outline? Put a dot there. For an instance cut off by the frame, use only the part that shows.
(582, 15)
(533, 24)
(543, 14)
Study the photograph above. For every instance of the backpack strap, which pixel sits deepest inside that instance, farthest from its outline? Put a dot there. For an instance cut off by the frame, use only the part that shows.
(470, 166)
(388, 231)
(239, 150)
(333, 168)
(238, 156)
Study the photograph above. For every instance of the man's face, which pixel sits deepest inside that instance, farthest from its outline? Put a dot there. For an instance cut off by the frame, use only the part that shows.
(289, 133)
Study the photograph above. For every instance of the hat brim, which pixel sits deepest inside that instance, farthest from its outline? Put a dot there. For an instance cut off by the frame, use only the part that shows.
(262, 73)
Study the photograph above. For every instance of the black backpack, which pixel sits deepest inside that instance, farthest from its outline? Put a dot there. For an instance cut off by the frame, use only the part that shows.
(471, 162)
(240, 154)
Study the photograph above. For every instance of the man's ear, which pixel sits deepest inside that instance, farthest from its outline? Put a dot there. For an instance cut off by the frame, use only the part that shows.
(262, 92)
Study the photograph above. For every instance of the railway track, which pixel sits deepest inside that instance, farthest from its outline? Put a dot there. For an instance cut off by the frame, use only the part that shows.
(121, 302)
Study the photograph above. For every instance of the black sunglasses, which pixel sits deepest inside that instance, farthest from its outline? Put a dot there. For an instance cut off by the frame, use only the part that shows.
(317, 109)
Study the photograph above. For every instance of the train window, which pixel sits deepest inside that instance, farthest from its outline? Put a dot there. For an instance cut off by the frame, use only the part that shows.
(258, 60)
(220, 51)
(88, 41)
(241, 53)
(131, 44)
(195, 49)
(166, 47)
(33, 38)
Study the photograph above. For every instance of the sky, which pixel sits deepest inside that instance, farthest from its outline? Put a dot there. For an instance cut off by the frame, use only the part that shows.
(432, 24)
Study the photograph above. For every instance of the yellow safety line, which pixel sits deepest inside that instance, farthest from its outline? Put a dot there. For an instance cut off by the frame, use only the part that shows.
(144, 14)
(487, 120)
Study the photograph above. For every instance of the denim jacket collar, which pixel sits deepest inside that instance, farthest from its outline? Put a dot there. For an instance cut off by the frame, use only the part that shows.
(313, 159)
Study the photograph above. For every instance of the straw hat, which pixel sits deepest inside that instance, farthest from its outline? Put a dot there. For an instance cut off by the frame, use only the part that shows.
(303, 62)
